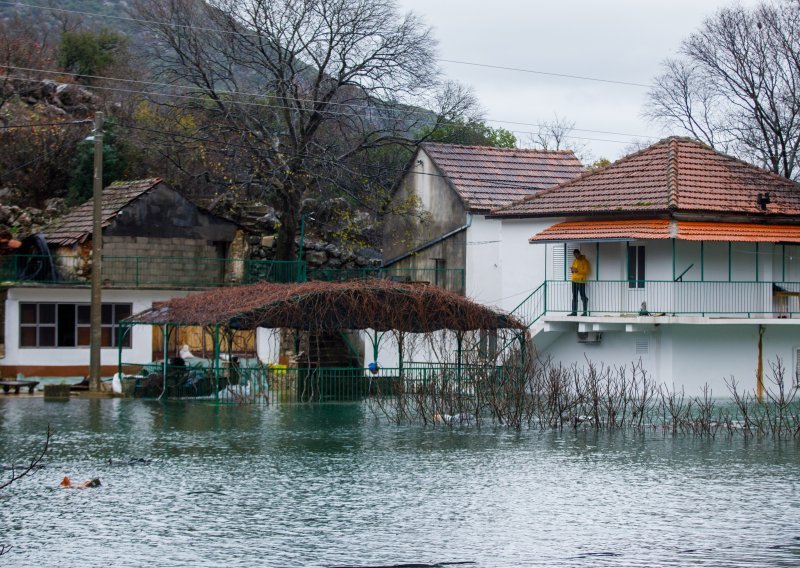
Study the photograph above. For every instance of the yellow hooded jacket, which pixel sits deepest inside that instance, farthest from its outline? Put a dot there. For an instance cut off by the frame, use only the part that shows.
(580, 269)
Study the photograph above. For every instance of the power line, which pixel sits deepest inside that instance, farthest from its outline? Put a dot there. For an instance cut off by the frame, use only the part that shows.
(312, 101)
(497, 183)
(551, 74)
(241, 34)
(283, 107)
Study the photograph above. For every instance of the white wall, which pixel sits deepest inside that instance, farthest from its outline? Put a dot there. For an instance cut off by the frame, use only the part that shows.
(688, 356)
(484, 240)
(523, 264)
(141, 340)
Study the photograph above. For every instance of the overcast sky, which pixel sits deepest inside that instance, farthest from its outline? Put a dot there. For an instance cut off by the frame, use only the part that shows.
(621, 40)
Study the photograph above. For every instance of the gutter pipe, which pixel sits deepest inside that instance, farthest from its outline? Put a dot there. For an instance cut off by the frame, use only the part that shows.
(431, 243)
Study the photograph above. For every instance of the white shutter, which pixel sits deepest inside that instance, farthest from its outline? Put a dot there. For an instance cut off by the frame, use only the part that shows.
(558, 257)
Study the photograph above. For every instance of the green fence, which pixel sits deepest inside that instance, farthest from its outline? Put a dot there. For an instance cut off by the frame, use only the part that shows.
(149, 271)
(232, 384)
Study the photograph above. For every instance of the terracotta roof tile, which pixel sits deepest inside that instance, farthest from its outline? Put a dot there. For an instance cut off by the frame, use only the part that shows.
(675, 175)
(76, 226)
(665, 229)
(604, 230)
(487, 177)
(738, 232)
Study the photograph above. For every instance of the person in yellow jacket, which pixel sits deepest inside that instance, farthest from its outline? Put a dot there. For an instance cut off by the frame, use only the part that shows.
(580, 273)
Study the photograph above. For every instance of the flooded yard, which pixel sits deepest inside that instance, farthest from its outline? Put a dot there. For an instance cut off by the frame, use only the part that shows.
(191, 484)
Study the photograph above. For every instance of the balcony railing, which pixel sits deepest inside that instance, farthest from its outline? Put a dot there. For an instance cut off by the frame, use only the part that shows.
(658, 297)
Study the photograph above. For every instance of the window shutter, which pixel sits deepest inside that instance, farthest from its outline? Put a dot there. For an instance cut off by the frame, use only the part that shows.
(559, 268)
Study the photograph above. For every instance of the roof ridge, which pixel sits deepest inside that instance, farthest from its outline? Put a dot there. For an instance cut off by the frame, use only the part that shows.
(499, 149)
(672, 174)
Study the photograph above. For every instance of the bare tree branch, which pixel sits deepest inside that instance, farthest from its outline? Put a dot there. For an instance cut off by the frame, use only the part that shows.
(736, 85)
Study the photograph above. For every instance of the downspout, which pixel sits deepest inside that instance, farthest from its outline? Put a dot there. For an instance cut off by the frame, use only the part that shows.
(430, 243)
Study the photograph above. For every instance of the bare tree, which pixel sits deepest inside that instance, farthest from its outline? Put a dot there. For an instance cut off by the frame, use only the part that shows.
(557, 135)
(293, 93)
(736, 85)
(18, 473)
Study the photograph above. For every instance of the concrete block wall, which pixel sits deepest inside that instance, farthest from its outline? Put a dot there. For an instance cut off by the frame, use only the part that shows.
(168, 261)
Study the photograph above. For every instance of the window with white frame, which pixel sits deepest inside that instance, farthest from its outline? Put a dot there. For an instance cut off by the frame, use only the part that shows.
(51, 324)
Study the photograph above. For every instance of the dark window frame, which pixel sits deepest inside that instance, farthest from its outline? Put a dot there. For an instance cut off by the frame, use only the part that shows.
(636, 266)
(113, 312)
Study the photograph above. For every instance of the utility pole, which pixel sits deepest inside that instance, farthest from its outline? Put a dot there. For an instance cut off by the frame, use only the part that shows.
(97, 253)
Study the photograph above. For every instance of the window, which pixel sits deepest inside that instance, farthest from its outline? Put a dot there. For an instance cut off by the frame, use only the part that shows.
(440, 272)
(69, 325)
(636, 276)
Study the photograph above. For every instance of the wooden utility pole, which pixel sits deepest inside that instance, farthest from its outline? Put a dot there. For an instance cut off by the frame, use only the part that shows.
(97, 252)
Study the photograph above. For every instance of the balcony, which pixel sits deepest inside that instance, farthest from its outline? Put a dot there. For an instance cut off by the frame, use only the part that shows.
(666, 298)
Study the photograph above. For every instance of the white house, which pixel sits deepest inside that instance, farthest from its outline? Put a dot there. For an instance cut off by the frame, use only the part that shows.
(451, 241)
(156, 245)
(695, 262)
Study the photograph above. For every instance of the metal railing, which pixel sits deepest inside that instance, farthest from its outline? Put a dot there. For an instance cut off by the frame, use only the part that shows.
(196, 272)
(666, 297)
(148, 271)
(277, 384)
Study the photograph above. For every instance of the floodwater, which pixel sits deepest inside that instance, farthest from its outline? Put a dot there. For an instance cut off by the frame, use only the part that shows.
(331, 485)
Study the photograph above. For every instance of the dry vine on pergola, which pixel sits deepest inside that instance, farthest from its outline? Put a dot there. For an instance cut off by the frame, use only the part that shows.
(377, 304)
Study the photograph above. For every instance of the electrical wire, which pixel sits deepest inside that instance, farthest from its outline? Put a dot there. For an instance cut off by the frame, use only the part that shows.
(241, 34)
(301, 100)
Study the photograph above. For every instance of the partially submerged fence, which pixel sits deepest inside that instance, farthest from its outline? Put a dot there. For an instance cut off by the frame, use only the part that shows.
(532, 395)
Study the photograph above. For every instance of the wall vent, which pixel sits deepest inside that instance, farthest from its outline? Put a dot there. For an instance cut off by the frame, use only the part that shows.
(642, 345)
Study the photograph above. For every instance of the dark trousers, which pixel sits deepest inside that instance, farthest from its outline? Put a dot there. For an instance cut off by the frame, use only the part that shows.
(579, 288)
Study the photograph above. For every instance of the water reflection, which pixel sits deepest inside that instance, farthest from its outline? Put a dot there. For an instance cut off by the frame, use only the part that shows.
(332, 485)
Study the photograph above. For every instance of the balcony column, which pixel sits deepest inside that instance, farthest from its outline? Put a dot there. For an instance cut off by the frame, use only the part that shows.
(702, 262)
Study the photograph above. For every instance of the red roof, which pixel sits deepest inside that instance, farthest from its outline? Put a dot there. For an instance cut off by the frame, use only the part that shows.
(571, 231)
(605, 230)
(673, 175)
(486, 177)
(738, 232)
(76, 226)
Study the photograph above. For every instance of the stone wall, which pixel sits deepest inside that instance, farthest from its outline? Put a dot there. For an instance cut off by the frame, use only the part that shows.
(317, 254)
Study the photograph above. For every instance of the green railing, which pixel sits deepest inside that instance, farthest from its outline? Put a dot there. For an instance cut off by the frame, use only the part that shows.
(667, 297)
(196, 272)
(533, 307)
(451, 279)
(232, 384)
(149, 271)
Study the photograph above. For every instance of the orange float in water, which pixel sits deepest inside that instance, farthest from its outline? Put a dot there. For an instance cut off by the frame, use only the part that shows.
(66, 483)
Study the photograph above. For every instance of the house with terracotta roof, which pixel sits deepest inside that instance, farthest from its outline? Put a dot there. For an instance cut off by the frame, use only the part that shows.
(439, 231)
(157, 245)
(695, 267)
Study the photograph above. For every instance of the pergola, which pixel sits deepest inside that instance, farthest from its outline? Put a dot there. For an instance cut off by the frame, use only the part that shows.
(374, 304)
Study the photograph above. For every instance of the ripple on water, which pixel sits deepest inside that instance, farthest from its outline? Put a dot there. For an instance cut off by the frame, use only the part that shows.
(331, 486)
